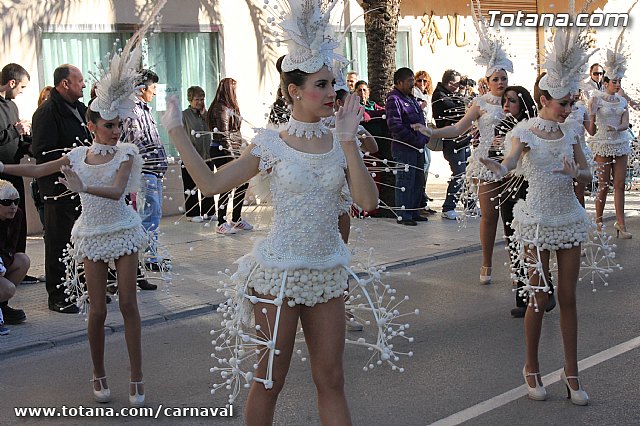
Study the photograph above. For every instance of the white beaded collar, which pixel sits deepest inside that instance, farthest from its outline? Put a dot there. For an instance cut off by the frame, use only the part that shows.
(308, 130)
(492, 99)
(544, 125)
(100, 149)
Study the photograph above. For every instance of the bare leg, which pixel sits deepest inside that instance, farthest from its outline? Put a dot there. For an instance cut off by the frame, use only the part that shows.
(324, 333)
(619, 170)
(126, 267)
(603, 173)
(579, 189)
(96, 276)
(489, 219)
(568, 271)
(261, 402)
(533, 319)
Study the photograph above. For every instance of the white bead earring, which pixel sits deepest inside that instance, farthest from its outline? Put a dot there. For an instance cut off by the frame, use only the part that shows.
(298, 97)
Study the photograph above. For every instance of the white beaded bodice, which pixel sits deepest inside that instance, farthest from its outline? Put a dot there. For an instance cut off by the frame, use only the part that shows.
(609, 114)
(551, 200)
(102, 215)
(306, 192)
(491, 116)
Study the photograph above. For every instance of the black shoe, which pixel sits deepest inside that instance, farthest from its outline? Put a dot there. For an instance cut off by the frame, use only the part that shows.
(28, 279)
(407, 222)
(551, 303)
(64, 307)
(421, 219)
(12, 316)
(146, 285)
(430, 211)
(519, 312)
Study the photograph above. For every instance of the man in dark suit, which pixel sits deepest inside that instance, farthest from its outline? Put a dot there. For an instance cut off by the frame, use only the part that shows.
(58, 124)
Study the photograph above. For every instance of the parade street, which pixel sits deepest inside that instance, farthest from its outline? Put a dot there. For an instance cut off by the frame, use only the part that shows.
(467, 363)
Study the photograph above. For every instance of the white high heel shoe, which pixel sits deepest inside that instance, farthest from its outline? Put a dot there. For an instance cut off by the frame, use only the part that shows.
(578, 397)
(104, 394)
(137, 399)
(539, 393)
(485, 275)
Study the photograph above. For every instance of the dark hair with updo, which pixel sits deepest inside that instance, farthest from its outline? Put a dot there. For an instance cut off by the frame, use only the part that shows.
(538, 92)
(295, 77)
(526, 104)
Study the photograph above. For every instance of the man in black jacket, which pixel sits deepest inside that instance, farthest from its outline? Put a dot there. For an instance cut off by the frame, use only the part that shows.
(57, 125)
(448, 108)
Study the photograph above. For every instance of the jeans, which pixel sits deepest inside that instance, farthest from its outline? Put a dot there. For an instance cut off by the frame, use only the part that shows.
(412, 181)
(150, 209)
(457, 158)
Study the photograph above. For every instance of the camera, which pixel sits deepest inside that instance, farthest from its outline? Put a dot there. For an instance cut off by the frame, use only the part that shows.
(467, 82)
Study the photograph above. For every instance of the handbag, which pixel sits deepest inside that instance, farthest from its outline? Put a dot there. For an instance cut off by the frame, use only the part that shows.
(435, 144)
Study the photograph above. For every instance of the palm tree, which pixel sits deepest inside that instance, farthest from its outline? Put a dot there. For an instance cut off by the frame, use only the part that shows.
(381, 31)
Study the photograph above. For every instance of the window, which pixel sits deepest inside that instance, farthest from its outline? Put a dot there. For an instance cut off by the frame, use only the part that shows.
(181, 60)
(355, 48)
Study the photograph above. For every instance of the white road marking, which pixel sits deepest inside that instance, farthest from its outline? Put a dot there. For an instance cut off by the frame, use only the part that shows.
(520, 391)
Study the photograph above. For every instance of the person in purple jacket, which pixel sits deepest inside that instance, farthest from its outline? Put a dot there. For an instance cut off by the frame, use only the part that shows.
(402, 111)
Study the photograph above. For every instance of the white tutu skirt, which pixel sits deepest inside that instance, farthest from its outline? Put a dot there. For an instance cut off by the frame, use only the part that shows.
(109, 246)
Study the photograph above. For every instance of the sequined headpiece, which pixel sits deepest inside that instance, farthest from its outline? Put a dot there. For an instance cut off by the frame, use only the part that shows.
(616, 62)
(566, 58)
(117, 83)
(311, 40)
(491, 52)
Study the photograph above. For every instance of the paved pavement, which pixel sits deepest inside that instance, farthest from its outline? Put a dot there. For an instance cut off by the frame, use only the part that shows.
(199, 253)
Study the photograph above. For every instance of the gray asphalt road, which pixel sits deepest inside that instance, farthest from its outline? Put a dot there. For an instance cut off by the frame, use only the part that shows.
(468, 351)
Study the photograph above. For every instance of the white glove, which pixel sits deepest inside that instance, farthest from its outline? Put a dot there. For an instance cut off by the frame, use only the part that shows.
(71, 180)
(348, 118)
(172, 117)
(3, 270)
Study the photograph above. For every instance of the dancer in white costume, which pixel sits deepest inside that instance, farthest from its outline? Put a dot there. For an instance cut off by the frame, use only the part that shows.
(611, 141)
(108, 229)
(551, 218)
(579, 118)
(300, 270)
(486, 111)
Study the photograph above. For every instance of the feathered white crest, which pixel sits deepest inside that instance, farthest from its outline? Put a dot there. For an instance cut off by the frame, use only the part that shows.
(312, 42)
(616, 63)
(566, 58)
(117, 84)
(491, 52)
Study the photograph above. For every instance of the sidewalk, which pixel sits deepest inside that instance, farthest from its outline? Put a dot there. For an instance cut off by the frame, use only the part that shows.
(199, 253)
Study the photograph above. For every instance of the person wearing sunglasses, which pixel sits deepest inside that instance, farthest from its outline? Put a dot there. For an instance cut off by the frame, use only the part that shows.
(13, 265)
(595, 82)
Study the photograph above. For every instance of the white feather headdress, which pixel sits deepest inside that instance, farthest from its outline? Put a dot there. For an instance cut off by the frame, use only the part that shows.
(117, 83)
(616, 63)
(566, 58)
(311, 40)
(491, 52)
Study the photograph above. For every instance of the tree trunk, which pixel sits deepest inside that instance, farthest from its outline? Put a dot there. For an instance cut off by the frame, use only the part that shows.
(381, 30)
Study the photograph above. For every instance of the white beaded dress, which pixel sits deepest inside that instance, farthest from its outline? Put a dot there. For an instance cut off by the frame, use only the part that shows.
(106, 228)
(550, 218)
(302, 261)
(610, 143)
(492, 114)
